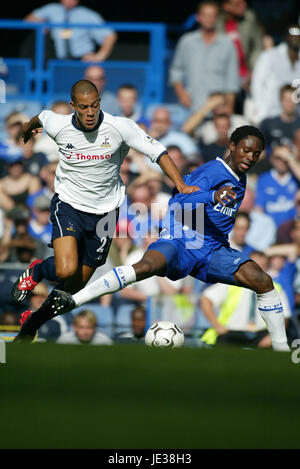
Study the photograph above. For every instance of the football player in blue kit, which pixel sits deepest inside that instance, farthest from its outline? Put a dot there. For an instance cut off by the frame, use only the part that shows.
(194, 240)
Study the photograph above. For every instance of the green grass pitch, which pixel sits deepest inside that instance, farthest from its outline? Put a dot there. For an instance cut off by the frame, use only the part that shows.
(128, 396)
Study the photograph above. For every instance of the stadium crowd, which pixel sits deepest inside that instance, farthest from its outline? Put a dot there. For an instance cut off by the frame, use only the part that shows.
(230, 73)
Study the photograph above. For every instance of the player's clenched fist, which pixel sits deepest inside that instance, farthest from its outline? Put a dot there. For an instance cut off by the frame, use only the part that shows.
(224, 194)
(30, 129)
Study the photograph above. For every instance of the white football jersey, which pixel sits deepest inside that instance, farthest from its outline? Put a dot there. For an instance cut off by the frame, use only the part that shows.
(88, 173)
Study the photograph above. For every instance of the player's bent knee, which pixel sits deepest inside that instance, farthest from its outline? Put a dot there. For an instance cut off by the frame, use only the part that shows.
(143, 269)
(64, 271)
(152, 263)
(266, 283)
(250, 275)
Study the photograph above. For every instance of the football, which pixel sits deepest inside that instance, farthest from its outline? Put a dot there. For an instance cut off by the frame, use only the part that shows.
(164, 334)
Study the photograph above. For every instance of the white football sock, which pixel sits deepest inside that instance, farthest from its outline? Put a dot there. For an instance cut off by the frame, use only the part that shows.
(271, 310)
(112, 281)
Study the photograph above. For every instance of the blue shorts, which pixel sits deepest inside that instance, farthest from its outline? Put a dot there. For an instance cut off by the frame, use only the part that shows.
(68, 221)
(211, 265)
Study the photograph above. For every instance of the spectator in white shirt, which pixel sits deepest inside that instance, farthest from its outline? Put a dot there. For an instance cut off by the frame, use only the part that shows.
(274, 68)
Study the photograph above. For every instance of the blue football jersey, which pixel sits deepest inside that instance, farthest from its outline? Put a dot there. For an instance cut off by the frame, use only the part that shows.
(276, 197)
(196, 218)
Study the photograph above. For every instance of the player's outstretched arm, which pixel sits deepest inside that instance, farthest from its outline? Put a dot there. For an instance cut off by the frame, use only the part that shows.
(169, 168)
(222, 196)
(31, 128)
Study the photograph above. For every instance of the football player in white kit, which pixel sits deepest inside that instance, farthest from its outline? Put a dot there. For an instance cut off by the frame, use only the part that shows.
(92, 146)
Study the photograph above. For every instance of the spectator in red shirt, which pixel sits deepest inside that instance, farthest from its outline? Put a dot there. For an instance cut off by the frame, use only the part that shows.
(240, 23)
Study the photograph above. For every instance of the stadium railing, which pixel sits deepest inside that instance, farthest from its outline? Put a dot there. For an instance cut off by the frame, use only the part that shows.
(36, 80)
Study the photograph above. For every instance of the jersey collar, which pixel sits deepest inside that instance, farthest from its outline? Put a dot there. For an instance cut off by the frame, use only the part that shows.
(228, 168)
(101, 117)
(282, 180)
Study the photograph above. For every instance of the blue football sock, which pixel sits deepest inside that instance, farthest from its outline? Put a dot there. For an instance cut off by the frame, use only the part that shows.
(46, 270)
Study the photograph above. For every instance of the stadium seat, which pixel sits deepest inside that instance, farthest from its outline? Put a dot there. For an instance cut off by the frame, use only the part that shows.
(27, 107)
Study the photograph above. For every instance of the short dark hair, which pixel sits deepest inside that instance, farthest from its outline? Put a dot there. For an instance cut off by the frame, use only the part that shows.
(258, 253)
(285, 88)
(244, 131)
(211, 3)
(84, 87)
(242, 214)
(127, 86)
(138, 309)
(175, 148)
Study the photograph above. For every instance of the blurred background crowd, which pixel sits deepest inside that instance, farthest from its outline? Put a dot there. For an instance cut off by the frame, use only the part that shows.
(229, 63)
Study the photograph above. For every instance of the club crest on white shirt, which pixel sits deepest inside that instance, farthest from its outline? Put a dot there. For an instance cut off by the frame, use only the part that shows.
(149, 139)
(105, 143)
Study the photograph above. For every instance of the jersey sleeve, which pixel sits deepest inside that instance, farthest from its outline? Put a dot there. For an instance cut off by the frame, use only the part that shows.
(205, 195)
(195, 198)
(136, 138)
(52, 123)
